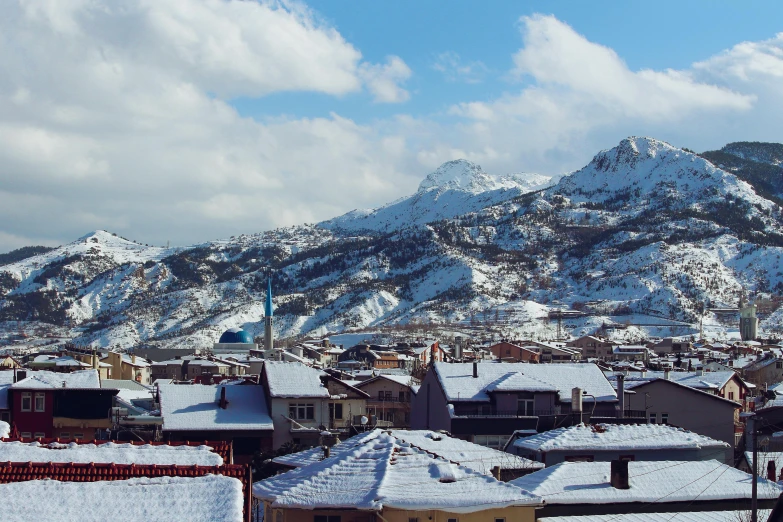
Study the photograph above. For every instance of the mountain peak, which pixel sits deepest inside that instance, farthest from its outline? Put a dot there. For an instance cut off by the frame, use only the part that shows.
(459, 174)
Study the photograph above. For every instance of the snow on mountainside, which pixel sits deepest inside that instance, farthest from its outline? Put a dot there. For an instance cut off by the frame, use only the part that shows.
(770, 153)
(455, 188)
(645, 229)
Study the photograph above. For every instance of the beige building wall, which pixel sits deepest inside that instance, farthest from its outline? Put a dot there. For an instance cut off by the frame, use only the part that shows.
(510, 514)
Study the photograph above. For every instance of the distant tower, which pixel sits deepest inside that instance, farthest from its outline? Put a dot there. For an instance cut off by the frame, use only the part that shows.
(748, 322)
(269, 341)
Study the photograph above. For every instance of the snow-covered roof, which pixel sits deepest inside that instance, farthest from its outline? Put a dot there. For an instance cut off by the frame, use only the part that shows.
(683, 516)
(617, 437)
(42, 380)
(211, 498)
(459, 384)
(515, 381)
(405, 380)
(293, 379)
(5, 429)
(699, 380)
(384, 472)
(651, 482)
(195, 407)
(478, 458)
(109, 452)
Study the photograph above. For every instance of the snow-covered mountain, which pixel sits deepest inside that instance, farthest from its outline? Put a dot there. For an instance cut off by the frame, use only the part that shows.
(644, 228)
(456, 188)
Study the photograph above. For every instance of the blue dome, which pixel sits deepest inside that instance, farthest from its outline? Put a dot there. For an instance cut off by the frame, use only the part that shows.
(236, 335)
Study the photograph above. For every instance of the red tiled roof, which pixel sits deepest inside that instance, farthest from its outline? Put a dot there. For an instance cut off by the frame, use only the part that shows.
(221, 447)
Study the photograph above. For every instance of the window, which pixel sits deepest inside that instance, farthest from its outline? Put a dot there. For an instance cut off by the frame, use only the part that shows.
(500, 520)
(5, 416)
(731, 396)
(664, 418)
(324, 518)
(491, 441)
(335, 410)
(413, 520)
(39, 435)
(452, 520)
(525, 407)
(39, 401)
(388, 395)
(27, 401)
(653, 418)
(580, 458)
(301, 411)
(401, 396)
(380, 395)
(65, 435)
(26, 435)
(78, 436)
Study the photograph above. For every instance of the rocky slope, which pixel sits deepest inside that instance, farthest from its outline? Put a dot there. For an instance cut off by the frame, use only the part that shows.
(644, 228)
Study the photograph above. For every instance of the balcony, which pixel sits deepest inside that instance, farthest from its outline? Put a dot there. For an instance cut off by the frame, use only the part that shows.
(493, 412)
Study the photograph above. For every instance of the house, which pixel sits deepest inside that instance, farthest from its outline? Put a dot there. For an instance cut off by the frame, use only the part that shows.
(390, 398)
(487, 402)
(394, 481)
(237, 413)
(304, 401)
(8, 362)
(555, 352)
(726, 384)
(480, 459)
(190, 367)
(128, 367)
(424, 352)
(507, 351)
(669, 346)
(606, 442)
(631, 353)
(768, 369)
(68, 363)
(593, 347)
(65, 405)
(671, 402)
(617, 487)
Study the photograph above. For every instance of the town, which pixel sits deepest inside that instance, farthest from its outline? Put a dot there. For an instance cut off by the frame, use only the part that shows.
(578, 430)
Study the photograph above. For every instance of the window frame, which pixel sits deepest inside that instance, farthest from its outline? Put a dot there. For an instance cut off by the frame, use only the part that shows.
(28, 396)
(664, 418)
(301, 410)
(26, 435)
(42, 397)
(652, 418)
(39, 435)
(78, 436)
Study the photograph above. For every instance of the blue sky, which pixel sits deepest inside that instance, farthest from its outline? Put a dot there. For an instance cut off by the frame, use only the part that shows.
(666, 34)
(193, 120)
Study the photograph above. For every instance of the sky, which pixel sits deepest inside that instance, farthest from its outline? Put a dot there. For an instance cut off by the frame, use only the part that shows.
(185, 121)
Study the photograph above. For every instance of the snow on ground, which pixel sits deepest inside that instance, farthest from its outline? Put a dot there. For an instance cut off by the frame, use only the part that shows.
(5, 430)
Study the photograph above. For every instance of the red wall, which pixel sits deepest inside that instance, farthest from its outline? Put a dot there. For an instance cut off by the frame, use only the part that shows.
(32, 421)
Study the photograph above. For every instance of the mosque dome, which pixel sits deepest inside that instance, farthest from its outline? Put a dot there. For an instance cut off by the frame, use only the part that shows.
(235, 335)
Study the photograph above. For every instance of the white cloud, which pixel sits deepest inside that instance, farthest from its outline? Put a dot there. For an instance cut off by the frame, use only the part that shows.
(383, 80)
(578, 96)
(117, 115)
(454, 69)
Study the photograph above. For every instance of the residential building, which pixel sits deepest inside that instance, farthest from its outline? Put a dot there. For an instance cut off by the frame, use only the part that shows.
(6, 380)
(128, 367)
(507, 351)
(593, 347)
(304, 401)
(235, 413)
(767, 370)
(390, 398)
(362, 485)
(64, 405)
(726, 384)
(618, 487)
(606, 442)
(487, 402)
(68, 363)
(669, 346)
(677, 404)
(8, 362)
(483, 460)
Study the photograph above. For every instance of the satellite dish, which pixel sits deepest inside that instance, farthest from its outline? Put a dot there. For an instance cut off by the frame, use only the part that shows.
(364, 420)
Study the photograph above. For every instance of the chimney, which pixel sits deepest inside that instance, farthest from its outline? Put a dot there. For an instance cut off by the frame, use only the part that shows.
(223, 402)
(619, 474)
(133, 358)
(621, 396)
(667, 374)
(475, 370)
(327, 451)
(771, 475)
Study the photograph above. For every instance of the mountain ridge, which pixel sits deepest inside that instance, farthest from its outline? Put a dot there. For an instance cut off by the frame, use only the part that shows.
(643, 228)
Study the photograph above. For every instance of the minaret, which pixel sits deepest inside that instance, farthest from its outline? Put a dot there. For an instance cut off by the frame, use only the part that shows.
(268, 336)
